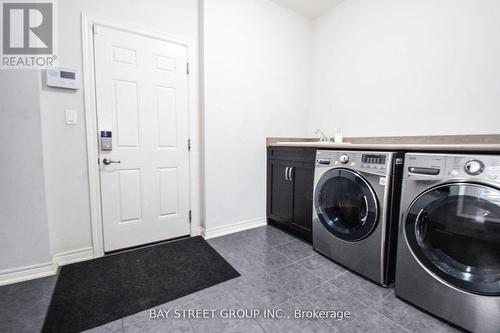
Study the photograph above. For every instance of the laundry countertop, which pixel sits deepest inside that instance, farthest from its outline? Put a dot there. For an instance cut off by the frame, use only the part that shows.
(486, 143)
(393, 146)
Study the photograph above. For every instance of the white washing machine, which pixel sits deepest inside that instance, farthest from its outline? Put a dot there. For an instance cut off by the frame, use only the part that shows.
(448, 258)
(354, 218)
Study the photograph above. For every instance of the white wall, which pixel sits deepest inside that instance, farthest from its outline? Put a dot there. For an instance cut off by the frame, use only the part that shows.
(256, 67)
(378, 68)
(24, 235)
(65, 146)
(405, 67)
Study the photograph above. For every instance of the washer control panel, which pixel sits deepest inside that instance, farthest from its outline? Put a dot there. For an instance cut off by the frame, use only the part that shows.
(439, 166)
(372, 162)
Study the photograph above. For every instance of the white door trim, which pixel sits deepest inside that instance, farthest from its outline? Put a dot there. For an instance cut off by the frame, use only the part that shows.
(88, 21)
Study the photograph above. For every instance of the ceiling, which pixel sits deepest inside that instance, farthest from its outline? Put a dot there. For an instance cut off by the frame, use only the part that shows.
(309, 8)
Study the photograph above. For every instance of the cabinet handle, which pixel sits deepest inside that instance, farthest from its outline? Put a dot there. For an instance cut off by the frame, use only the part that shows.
(286, 173)
(291, 174)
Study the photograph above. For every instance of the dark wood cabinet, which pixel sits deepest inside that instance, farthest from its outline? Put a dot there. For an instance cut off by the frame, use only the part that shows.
(303, 178)
(281, 198)
(290, 178)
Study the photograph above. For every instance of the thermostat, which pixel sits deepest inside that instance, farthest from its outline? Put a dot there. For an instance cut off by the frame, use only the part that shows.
(63, 78)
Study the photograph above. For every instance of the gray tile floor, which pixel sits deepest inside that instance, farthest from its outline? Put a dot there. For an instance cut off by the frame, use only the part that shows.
(278, 272)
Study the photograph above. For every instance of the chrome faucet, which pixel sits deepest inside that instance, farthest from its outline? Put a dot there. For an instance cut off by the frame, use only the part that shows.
(324, 137)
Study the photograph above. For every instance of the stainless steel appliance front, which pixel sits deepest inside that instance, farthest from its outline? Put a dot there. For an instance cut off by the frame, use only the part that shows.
(448, 258)
(352, 194)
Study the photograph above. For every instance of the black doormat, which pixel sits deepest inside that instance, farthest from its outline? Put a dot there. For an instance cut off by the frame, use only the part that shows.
(92, 293)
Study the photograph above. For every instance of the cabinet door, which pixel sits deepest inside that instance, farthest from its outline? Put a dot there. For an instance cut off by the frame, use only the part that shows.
(303, 183)
(280, 192)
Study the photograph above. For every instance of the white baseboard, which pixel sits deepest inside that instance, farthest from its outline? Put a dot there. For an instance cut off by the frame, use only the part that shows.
(42, 270)
(73, 256)
(27, 273)
(232, 228)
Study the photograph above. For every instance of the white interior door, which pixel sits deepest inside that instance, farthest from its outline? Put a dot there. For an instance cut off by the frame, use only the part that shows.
(142, 99)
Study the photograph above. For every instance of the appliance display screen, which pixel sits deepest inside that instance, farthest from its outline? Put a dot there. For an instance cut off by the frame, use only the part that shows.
(67, 75)
(373, 159)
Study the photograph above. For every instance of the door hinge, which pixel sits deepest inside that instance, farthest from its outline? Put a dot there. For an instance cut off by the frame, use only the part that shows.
(187, 68)
(190, 216)
(189, 144)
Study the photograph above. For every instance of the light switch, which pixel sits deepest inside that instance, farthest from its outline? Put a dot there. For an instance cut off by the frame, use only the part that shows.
(71, 117)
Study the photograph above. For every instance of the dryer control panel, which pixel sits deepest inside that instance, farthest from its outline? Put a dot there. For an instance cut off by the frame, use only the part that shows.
(440, 166)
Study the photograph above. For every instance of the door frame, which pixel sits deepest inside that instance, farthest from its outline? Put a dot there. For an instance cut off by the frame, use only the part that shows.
(90, 110)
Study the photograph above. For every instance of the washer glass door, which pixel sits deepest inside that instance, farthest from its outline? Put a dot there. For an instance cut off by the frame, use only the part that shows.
(454, 231)
(346, 205)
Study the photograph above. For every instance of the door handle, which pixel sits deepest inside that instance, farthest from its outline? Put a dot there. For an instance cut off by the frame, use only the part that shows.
(363, 220)
(286, 173)
(107, 161)
(290, 174)
(420, 228)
